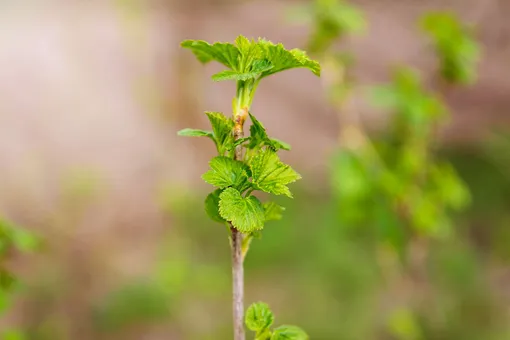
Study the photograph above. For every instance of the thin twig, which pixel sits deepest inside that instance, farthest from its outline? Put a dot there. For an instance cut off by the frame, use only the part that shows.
(237, 249)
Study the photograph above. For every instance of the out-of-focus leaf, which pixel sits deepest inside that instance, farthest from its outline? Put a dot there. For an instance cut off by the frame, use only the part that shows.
(259, 317)
(212, 202)
(288, 332)
(273, 211)
(455, 45)
(403, 325)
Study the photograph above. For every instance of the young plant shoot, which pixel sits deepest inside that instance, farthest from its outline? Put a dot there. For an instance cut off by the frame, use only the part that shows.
(246, 164)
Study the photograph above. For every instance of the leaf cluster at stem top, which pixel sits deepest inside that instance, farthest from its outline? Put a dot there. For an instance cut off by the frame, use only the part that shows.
(249, 61)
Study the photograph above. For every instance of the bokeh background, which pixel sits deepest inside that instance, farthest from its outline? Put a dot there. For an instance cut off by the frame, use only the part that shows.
(92, 94)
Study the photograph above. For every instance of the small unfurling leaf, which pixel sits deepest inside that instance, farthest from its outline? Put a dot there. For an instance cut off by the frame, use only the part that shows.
(222, 131)
(288, 332)
(195, 133)
(259, 317)
(273, 211)
(259, 137)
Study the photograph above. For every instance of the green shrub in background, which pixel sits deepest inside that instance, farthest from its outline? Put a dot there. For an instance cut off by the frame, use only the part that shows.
(12, 238)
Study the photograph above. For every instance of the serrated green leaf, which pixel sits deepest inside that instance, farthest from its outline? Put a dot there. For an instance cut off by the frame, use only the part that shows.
(225, 53)
(234, 75)
(248, 59)
(226, 172)
(269, 174)
(222, 131)
(273, 211)
(241, 141)
(249, 51)
(212, 207)
(288, 332)
(245, 213)
(259, 317)
(261, 65)
(255, 70)
(195, 133)
(283, 59)
(259, 137)
(279, 144)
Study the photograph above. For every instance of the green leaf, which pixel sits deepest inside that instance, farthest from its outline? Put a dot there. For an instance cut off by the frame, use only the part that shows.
(212, 208)
(195, 133)
(241, 141)
(226, 172)
(259, 317)
(248, 59)
(278, 144)
(245, 213)
(264, 335)
(234, 75)
(256, 69)
(261, 65)
(259, 137)
(222, 131)
(225, 53)
(273, 211)
(288, 332)
(283, 59)
(269, 174)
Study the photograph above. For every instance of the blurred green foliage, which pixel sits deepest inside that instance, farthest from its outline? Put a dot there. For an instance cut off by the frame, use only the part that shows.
(12, 238)
(330, 20)
(455, 46)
